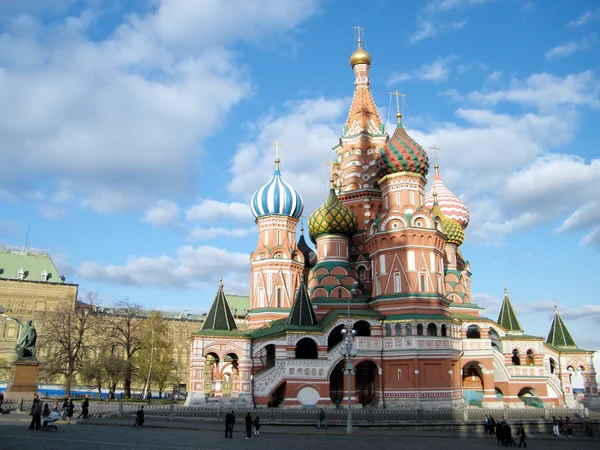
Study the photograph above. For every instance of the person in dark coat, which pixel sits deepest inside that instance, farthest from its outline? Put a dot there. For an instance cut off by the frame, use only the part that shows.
(85, 406)
(139, 417)
(256, 426)
(229, 423)
(492, 426)
(70, 408)
(248, 426)
(46, 411)
(522, 435)
(508, 435)
(36, 412)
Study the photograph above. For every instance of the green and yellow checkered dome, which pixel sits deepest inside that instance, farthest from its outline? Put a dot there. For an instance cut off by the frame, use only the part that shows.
(453, 230)
(332, 218)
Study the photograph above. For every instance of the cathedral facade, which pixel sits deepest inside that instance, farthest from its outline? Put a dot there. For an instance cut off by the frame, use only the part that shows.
(386, 267)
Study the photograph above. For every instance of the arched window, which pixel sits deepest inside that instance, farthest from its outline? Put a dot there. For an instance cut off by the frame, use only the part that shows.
(444, 330)
(420, 329)
(388, 330)
(306, 348)
(432, 329)
(552, 365)
(516, 358)
(335, 337)
(530, 358)
(473, 332)
(398, 329)
(362, 328)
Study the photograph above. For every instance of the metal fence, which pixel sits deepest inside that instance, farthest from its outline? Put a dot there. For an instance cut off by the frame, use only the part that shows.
(361, 416)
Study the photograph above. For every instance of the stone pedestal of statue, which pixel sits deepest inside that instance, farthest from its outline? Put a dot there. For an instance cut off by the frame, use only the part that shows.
(23, 380)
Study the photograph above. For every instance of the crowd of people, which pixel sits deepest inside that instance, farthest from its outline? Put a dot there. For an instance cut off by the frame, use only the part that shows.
(41, 410)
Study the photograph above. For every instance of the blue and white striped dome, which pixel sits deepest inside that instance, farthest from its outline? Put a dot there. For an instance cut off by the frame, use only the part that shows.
(277, 197)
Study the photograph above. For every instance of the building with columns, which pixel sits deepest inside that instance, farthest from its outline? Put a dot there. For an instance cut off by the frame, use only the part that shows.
(387, 263)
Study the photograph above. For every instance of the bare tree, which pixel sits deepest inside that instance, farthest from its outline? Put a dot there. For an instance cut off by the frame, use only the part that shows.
(125, 327)
(64, 340)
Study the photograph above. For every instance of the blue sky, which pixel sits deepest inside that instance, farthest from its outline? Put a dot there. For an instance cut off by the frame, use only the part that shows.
(132, 137)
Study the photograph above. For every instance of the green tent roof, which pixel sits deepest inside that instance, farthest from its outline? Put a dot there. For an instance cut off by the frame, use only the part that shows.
(302, 313)
(559, 334)
(32, 264)
(507, 318)
(219, 317)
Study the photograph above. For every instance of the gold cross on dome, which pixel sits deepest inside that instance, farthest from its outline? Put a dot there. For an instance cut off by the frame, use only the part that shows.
(277, 145)
(358, 30)
(435, 150)
(398, 95)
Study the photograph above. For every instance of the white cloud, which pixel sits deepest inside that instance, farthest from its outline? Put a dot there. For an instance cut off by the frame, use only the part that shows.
(215, 211)
(584, 18)
(191, 266)
(494, 76)
(308, 130)
(570, 47)
(64, 267)
(162, 213)
(52, 212)
(436, 71)
(546, 91)
(427, 29)
(468, 67)
(199, 234)
(84, 115)
(436, 6)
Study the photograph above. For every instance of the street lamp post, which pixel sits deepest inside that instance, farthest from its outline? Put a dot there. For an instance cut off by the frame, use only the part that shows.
(348, 352)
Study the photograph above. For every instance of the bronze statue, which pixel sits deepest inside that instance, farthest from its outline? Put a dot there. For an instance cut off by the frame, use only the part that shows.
(25, 348)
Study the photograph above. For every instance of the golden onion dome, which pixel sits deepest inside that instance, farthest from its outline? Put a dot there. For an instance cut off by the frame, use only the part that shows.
(360, 56)
(332, 217)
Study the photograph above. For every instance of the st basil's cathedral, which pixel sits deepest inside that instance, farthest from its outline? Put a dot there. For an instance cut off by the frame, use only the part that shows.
(385, 271)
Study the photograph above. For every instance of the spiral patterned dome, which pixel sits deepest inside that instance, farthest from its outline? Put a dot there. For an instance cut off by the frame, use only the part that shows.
(452, 206)
(452, 229)
(277, 197)
(332, 218)
(402, 154)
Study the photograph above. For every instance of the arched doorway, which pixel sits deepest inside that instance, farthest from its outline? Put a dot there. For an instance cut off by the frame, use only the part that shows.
(277, 396)
(473, 332)
(230, 375)
(472, 383)
(211, 369)
(530, 397)
(336, 383)
(366, 382)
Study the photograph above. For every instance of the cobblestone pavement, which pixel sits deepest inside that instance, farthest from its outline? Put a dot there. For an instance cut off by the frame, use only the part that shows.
(16, 435)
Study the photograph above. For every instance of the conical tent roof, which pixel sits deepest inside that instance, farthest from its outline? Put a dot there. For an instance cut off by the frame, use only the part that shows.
(302, 313)
(220, 317)
(507, 318)
(559, 334)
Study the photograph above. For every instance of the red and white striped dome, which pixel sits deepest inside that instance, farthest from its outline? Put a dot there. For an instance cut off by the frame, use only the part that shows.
(450, 204)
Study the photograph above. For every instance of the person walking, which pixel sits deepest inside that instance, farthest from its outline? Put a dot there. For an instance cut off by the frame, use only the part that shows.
(70, 408)
(555, 429)
(139, 417)
(569, 427)
(321, 420)
(560, 426)
(492, 426)
(522, 435)
(486, 424)
(508, 436)
(36, 412)
(248, 426)
(256, 426)
(85, 405)
(1, 400)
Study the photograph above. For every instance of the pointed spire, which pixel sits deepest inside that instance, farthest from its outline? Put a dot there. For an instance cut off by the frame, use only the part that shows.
(302, 313)
(220, 317)
(559, 334)
(507, 318)
(363, 115)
